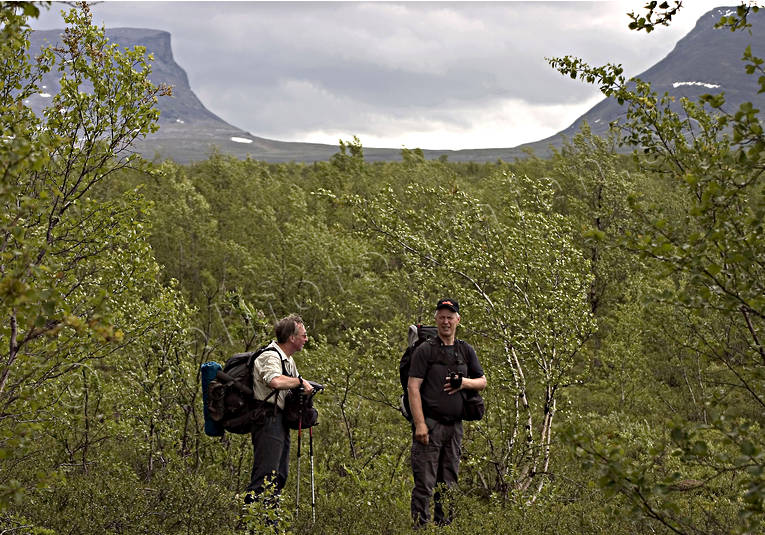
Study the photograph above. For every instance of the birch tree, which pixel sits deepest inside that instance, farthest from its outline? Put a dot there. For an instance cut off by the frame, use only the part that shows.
(76, 272)
(523, 290)
(710, 252)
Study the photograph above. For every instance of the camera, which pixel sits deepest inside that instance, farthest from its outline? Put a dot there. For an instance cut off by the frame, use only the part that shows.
(455, 380)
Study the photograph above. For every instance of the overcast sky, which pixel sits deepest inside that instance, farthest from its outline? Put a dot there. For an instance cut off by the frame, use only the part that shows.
(432, 75)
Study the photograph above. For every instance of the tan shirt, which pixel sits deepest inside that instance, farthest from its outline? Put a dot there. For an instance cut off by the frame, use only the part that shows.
(267, 366)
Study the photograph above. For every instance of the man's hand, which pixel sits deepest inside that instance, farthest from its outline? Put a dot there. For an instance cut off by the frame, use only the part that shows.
(421, 433)
(415, 404)
(307, 387)
(453, 385)
(478, 384)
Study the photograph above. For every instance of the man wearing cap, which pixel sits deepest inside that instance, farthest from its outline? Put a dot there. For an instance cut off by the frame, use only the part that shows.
(440, 369)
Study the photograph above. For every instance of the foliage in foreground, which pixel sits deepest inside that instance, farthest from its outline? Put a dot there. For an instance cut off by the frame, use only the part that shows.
(712, 253)
(616, 304)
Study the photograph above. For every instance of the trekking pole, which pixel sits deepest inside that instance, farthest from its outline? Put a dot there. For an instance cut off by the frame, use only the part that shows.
(297, 498)
(313, 491)
(300, 434)
(316, 388)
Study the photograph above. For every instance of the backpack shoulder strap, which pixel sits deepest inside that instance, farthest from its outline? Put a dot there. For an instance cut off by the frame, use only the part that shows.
(461, 351)
(257, 354)
(428, 355)
(430, 358)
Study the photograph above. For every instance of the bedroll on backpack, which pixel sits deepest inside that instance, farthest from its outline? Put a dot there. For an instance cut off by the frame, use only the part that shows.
(230, 399)
(209, 370)
(417, 335)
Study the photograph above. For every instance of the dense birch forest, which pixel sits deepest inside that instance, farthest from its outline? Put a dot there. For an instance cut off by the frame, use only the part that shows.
(616, 301)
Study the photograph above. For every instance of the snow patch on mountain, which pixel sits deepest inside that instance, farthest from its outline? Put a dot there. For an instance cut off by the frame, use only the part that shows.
(703, 84)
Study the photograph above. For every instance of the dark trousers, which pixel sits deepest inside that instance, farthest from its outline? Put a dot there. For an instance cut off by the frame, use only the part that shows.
(271, 455)
(437, 463)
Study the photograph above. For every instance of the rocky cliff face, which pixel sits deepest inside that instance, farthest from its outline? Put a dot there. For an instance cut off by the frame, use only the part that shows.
(188, 130)
(182, 108)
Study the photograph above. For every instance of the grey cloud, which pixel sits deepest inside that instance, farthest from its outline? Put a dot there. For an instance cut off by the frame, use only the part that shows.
(280, 68)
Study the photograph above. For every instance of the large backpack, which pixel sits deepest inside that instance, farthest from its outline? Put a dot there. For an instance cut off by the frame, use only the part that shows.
(230, 401)
(417, 335)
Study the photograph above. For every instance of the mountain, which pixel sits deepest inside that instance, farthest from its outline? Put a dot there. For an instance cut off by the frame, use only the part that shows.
(706, 60)
(188, 131)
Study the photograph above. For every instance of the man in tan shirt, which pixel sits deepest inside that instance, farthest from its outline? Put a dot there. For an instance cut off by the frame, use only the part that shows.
(275, 369)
